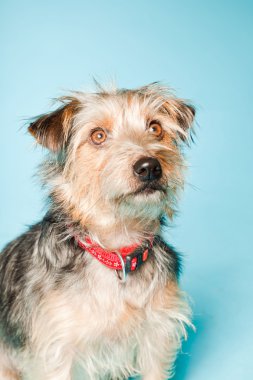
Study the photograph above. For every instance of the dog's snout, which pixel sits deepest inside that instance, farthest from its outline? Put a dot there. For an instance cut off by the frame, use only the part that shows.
(147, 169)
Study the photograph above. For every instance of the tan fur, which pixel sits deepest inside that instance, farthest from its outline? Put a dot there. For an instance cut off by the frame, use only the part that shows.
(52, 130)
(9, 375)
(8, 365)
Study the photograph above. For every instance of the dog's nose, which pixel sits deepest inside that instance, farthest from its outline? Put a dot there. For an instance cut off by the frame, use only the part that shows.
(147, 169)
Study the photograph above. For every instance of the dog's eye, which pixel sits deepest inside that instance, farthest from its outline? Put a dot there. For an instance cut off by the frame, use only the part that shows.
(98, 136)
(155, 129)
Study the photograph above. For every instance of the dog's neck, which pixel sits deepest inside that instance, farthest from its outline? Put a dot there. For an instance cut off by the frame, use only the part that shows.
(122, 233)
(114, 227)
(107, 229)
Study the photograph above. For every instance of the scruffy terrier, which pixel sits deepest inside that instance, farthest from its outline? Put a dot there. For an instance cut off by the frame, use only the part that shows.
(94, 283)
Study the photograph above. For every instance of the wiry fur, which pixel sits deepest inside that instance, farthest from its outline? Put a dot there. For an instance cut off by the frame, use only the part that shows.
(59, 305)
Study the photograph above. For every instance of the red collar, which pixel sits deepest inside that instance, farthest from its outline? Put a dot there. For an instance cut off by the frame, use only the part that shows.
(127, 258)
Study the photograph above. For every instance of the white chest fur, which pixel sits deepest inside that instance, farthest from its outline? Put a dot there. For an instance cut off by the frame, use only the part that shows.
(111, 327)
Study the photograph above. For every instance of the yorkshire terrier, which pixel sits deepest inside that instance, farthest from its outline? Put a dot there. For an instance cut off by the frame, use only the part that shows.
(94, 283)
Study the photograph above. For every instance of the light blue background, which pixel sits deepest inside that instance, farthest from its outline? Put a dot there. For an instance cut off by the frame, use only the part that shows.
(202, 49)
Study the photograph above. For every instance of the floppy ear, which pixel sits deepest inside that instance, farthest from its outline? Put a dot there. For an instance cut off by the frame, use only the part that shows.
(51, 130)
(182, 114)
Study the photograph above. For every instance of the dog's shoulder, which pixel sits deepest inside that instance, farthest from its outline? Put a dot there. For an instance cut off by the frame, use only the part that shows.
(21, 244)
(168, 256)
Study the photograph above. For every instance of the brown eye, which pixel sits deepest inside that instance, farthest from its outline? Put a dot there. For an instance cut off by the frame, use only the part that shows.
(155, 129)
(98, 136)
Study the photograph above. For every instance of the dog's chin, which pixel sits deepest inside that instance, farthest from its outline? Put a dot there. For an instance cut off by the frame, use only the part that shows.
(145, 201)
(147, 204)
(149, 189)
(146, 195)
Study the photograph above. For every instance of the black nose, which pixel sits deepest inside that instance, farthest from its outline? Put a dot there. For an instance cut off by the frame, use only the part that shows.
(147, 169)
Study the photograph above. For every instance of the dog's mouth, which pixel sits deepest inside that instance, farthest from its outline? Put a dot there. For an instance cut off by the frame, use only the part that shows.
(150, 188)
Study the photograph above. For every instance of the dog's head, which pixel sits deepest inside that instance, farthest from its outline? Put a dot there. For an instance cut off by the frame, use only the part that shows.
(117, 151)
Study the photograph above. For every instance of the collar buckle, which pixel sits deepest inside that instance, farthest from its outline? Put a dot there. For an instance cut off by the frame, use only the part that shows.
(138, 257)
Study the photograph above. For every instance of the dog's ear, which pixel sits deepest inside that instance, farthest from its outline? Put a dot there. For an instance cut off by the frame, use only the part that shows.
(182, 114)
(52, 130)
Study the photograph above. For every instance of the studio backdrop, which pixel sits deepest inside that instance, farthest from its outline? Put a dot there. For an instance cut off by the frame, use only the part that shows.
(203, 50)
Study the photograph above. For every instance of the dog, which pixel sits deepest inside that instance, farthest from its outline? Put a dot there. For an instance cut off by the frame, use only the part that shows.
(94, 283)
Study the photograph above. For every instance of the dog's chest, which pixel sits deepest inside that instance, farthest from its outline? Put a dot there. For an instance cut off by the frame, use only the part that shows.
(111, 324)
(110, 308)
(108, 324)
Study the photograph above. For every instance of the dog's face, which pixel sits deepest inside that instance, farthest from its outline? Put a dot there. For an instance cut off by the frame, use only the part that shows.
(117, 151)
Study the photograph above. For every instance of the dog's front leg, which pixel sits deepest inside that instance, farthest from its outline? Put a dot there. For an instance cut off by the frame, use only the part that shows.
(8, 368)
(155, 375)
(162, 370)
(159, 370)
(52, 367)
(41, 373)
(158, 351)
(158, 359)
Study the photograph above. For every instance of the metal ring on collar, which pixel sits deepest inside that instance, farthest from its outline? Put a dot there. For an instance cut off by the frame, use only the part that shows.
(122, 277)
